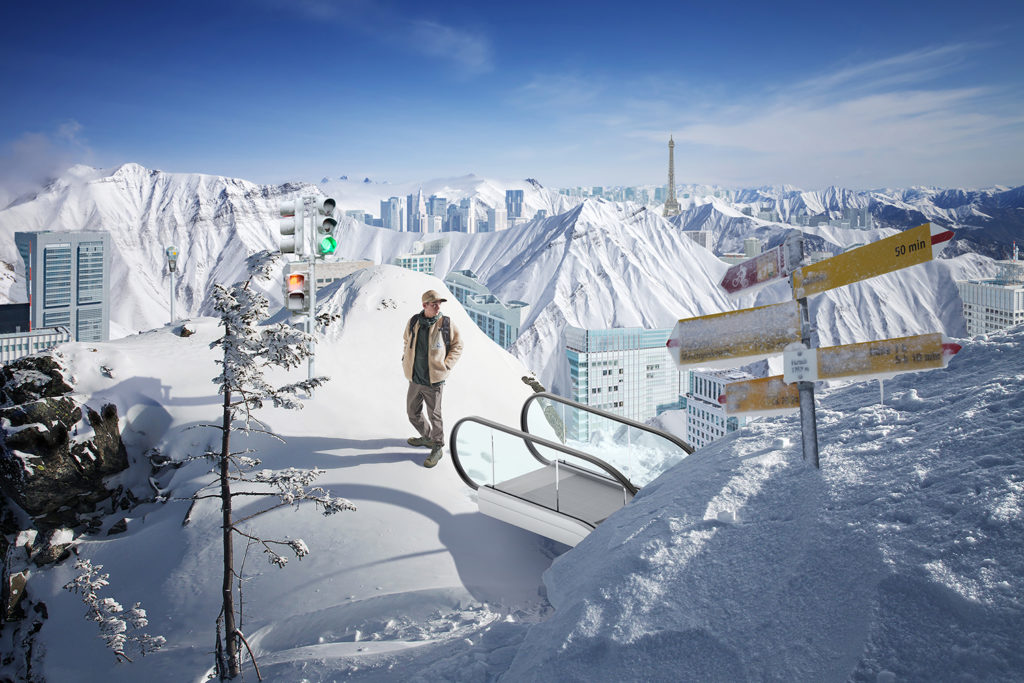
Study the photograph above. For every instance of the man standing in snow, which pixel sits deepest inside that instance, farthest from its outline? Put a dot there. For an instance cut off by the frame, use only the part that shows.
(432, 347)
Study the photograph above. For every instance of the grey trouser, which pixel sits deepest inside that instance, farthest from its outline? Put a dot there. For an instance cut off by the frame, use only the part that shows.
(419, 395)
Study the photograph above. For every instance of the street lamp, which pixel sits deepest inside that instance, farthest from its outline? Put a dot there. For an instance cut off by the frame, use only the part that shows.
(172, 266)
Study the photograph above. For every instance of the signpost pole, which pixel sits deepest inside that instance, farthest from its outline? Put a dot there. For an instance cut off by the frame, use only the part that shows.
(808, 419)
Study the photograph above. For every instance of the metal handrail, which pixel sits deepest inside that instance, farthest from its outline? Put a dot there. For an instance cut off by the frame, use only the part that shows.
(596, 411)
(530, 439)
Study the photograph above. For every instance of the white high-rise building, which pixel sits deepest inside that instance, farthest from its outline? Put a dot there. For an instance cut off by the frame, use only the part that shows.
(416, 212)
(467, 215)
(497, 219)
(705, 416)
(499, 320)
(991, 305)
(701, 237)
(433, 224)
(752, 247)
(625, 371)
(392, 214)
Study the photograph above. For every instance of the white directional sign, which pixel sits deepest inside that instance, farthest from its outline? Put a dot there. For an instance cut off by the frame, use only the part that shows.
(910, 247)
(725, 339)
(875, 359)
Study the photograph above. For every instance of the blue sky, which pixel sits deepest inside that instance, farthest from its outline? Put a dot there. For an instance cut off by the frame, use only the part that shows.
(864, 95)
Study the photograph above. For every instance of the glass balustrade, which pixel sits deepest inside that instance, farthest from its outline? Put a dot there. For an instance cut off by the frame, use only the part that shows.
(489, 456)
(637, 451)
(573, 483)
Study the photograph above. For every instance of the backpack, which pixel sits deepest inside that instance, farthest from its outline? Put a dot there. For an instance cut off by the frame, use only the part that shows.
(446, 331)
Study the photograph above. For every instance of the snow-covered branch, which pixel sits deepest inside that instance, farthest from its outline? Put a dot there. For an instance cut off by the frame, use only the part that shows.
(292, 483)
(110, 616)
(296, 545)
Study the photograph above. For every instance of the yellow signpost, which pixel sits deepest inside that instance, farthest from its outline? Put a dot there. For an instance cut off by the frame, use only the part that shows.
(764, 396)
(749, 333)
(726, 339)
(875, 358)
(909, 248)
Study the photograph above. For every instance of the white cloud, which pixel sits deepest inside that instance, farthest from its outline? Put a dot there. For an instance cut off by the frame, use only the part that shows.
(34, 158)
(469, 52)
(895, 120)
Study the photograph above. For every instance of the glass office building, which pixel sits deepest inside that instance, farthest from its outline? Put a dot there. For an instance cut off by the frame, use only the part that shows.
(68, 281)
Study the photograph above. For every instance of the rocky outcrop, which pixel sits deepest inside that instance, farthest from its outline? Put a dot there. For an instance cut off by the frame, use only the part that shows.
(56, 452)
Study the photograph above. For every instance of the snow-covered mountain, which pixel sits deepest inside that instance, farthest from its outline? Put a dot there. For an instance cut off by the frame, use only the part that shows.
(986, 221)
(590, 263)
(898, 560)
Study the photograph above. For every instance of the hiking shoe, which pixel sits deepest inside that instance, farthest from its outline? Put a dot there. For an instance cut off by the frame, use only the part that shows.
(420, 441)
(435, 456)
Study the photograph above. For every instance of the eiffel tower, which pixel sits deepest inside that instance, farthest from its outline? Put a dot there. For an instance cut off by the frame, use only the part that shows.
(671, 205)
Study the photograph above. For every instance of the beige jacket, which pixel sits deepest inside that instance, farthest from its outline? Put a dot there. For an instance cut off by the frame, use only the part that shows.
(439, 362)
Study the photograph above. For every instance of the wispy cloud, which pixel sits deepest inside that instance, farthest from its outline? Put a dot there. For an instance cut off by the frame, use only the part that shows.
(893, 120)
(563, 92)
(910, 69)
(36, 157)
(469, 52)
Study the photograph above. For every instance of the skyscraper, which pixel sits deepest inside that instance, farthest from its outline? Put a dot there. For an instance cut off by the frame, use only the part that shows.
(392, 214)
(68, 279)
(623, 370)
(671, 205)
(513, 205)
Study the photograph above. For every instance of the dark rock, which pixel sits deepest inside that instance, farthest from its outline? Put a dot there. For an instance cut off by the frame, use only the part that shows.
(186, 331)
(118, 527)
(54, 548)
(46, 472)
(14, 591)
(31, 378)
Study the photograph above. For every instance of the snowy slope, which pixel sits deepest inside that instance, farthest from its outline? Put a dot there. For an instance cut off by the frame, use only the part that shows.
(901, 559)
(415, 551)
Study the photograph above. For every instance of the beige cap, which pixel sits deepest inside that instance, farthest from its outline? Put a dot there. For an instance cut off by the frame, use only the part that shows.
(430, 296)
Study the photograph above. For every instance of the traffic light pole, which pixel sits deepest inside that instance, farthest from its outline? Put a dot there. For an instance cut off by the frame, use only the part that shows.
(311, 315)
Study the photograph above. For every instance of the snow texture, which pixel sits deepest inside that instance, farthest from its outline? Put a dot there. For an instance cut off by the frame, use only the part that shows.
(901, 557)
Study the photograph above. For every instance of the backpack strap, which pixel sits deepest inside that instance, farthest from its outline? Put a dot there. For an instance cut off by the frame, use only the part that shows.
(412, 328)
(446, 331)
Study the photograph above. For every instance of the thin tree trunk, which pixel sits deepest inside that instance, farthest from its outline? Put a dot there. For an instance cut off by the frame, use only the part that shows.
(229, 555)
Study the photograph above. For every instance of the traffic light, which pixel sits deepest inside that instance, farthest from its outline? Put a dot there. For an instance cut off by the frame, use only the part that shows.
(291, 226)
(296, 295)
(326, 243)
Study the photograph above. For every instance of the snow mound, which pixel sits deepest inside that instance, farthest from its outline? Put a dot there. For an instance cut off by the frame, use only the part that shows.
(903, 555)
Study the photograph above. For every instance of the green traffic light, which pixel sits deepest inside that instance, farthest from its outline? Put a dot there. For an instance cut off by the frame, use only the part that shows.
(328, 244)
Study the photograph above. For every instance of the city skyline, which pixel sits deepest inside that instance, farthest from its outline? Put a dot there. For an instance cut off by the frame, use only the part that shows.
(271, 91)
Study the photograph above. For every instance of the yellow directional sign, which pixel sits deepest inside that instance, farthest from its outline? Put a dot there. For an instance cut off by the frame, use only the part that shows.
(723, 338)
(910, 247)
(765, 396)
(875, 358)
